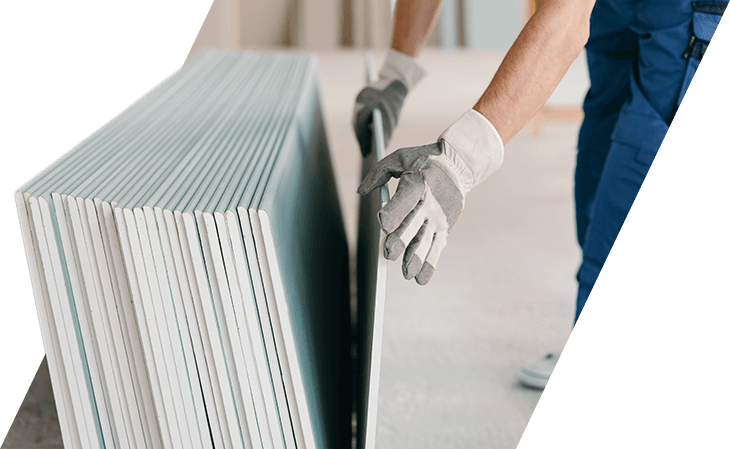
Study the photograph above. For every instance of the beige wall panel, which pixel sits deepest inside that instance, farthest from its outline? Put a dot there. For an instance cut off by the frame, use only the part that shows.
(319, 24)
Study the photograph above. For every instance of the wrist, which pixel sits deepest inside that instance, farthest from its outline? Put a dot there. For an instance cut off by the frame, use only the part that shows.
(473, 148)
(402, 67)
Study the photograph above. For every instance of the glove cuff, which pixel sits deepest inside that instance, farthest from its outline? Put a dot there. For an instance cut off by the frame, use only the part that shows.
(474, 149)
(400, 66)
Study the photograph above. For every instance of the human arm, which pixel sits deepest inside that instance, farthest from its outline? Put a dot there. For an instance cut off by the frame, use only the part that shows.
(400, 73)
(535, 64)
(412, 24)
(434, 179)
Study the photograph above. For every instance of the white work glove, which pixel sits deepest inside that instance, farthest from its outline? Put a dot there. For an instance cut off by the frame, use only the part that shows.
(434, 181)
(400, 74)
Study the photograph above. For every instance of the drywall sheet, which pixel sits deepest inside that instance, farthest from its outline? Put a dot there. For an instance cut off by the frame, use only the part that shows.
(189, 266)
(371, 280)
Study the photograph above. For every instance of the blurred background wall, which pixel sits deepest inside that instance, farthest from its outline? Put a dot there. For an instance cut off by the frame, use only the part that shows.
(331, 24)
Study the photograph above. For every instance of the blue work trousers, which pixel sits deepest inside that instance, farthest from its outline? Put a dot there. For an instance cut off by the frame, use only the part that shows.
(642, 54)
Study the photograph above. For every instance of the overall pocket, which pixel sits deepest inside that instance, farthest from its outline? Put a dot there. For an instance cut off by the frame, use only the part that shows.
(706, 17)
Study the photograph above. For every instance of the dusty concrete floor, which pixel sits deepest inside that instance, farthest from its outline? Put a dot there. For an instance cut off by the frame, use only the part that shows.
(502, 295)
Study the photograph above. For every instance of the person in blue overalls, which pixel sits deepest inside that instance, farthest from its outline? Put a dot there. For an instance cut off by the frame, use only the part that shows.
(642, 55)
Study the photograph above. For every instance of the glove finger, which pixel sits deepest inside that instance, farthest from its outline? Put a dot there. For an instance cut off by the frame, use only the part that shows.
(410, 191)
(391, 166)
(397, 162)
(429, 266)
(417, 250)
(396, 241)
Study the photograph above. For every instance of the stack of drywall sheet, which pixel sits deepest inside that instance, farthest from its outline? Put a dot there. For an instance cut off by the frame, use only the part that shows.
(190, 266)
(371, 279)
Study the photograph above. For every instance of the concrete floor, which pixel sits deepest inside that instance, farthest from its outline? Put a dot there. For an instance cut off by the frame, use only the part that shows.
(503, 292)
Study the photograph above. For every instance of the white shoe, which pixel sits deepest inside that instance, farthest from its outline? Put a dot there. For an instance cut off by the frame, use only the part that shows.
(536, 375)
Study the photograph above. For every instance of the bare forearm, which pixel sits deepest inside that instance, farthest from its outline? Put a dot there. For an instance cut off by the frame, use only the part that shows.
(414, 20)
(535, 64)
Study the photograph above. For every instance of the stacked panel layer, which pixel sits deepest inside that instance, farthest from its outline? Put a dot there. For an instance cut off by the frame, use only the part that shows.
(190, 266)
(371, 280)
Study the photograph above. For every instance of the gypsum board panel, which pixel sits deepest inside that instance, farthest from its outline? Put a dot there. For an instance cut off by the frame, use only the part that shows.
(129, 240)
(228, 298)
(282, 417)
(201, 339)
(91, 330)
(236, 239)
(203, 357)
(67, 406)
(81, 172)
(97, 294)
(265, 323)
(285, 396)
(294, 290)
(371, 281)
(264, 349)
(92, 296)
(245, 305)
(204, 195)
(177, 364)
(64, 315)
(213, 238)
(163, 333)
(78, 177)
(300, 118)
(199, 413)
(241, 194)
(176, 129)
(137, 236)
(206, 320)
(264, 267)
(188, 195)
(149, 431)
(268, 135)
(100, 293)
(290, 420)
(166, 314)
(239, 376)
(163, 149)
(222, 124)
(137, 113)
(210, 220)
(192, 340)
(234, 352)
(312, 137)
(131, 335)
(223, 292)
(113, 316)
(178, 181)
(222, 387)
(149, 221)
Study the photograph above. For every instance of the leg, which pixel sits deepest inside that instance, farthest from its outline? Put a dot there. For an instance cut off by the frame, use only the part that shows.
(611, 51)
(660, 76)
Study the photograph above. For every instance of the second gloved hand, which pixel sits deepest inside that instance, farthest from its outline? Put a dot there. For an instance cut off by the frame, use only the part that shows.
(434, 181)
(400, 74)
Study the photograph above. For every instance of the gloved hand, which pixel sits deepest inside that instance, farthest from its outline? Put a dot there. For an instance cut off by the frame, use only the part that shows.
(400, 73)
(434, 181)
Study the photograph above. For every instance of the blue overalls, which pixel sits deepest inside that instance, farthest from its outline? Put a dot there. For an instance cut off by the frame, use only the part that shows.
(642, 54)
